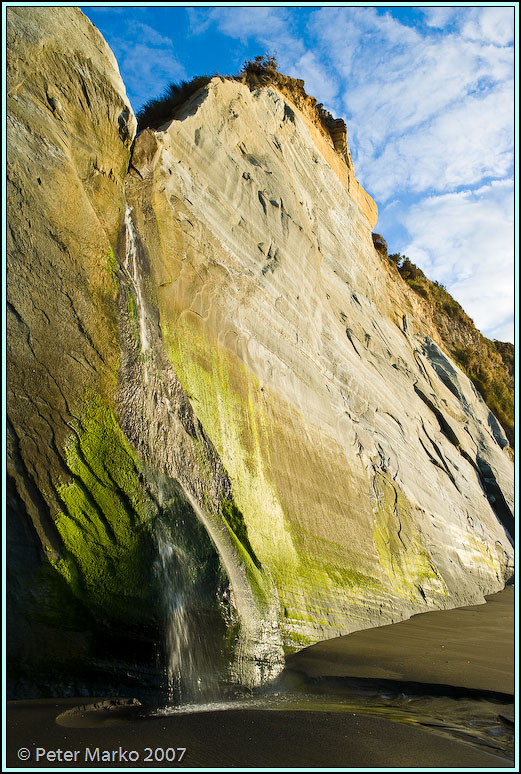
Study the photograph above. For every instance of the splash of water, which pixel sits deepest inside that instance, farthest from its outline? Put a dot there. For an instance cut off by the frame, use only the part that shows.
(191, 671)
(258, 654)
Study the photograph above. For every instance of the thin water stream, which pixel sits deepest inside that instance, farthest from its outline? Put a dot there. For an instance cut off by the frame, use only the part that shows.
(190, 668)
(246, 649)
(133, 270)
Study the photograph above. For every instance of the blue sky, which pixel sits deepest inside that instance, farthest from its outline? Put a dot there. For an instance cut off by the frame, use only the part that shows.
(428, 96)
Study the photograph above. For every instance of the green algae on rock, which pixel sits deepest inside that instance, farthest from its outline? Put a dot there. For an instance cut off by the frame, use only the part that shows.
(104, 524)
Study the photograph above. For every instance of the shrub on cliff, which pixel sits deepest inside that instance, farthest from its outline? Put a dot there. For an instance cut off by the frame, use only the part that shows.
(409, 271)
(263, 70)
(507, 352)
(380, 244)
(261, 64)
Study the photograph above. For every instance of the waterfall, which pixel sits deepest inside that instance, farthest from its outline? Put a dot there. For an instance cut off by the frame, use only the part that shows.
(195, 663)
(192, 670)
(258, 655)
(207, 641)
(132, 269)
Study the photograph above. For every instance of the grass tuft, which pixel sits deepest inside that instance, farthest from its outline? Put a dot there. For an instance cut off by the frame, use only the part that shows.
(158, 111)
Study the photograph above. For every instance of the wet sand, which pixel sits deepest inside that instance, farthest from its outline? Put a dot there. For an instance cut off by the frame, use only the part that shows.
(243, 739)
(477, 654)
(469, 647)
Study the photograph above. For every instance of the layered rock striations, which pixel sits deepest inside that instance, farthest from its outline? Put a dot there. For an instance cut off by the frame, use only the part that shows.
(70, 128)
(210, 347)
(352, 443)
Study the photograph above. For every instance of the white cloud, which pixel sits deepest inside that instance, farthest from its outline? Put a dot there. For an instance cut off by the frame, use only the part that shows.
(269, 25)
(317, 79)
(147, 61)
(273, 28)
(426, 111)
(492, 24)
(148, 35)
(469, 142)
(465, 241)
(265, 23)
(358, 42)
(439, 16)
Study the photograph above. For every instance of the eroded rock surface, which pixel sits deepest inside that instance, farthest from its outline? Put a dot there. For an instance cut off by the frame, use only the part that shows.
(209, 360)
(351, 441)
(76, 505)
(108, 466)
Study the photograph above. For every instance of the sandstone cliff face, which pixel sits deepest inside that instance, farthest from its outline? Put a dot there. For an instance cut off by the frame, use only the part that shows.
(70, 129)
(88, 517)
(69, 135)
(207, 352)
(355, 448)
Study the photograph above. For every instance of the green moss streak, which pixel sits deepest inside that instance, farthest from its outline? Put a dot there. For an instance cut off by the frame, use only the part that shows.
(103, 525)
(234, 520)
(112, 265)
(402, 555)
(230, 405)
(225, 398)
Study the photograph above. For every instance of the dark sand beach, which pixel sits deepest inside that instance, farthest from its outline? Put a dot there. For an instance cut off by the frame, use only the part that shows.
(429, 692)
(470, 647)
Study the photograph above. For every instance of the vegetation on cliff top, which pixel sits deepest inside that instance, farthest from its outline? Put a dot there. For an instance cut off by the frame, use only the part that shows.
(488, 364)
(158, 111)
(261, 71)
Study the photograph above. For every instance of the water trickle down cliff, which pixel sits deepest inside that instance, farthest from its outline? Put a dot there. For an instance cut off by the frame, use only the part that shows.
(158, 419)
(216, 412)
